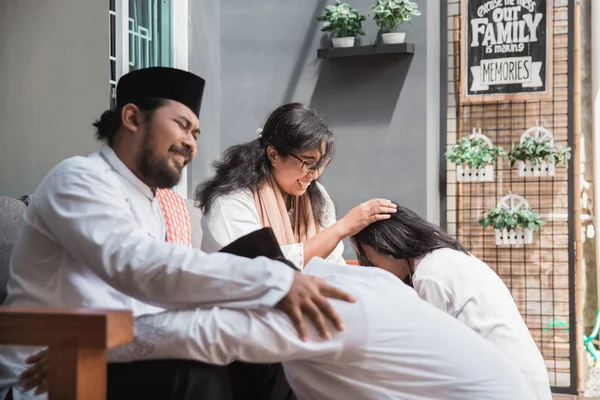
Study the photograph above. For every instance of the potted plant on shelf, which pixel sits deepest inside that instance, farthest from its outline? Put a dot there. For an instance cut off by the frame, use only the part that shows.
(343, 21)
(513, 221)
(390, 14)
(475, 157)
(538, 155)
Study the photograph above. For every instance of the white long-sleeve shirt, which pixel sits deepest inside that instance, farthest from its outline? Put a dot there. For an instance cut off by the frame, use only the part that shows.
(235, 215)
(394, 346)
(470, 291)
(94, 236)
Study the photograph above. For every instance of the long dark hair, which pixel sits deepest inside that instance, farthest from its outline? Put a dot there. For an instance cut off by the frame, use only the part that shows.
(405, 235)
(291, 128)
(109, 122)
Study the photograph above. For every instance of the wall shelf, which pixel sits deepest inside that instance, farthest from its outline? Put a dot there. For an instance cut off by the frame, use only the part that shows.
(371, 50)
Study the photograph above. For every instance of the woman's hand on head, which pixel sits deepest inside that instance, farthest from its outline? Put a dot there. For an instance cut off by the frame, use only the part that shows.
(365, 214)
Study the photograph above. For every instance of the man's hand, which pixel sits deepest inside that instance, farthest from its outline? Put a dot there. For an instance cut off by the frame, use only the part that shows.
(36, 376)
(308, 295)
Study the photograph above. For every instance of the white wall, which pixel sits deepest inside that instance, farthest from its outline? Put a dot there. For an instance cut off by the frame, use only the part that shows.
(204, 60)
(53, 84)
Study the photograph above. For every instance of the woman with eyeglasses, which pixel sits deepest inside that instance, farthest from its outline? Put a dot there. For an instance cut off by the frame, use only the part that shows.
(447, 276)
(272, 182)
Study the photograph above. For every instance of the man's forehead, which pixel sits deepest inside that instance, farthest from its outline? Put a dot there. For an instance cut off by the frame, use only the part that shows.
(180, 110)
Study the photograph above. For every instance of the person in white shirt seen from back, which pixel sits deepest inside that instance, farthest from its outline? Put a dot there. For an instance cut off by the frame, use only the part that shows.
(394, 345)
(445, 275)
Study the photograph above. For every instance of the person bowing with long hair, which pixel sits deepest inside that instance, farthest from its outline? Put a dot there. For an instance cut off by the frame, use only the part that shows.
(446, 275)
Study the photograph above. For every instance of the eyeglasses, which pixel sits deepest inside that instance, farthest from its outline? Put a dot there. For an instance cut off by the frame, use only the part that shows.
(312, 165)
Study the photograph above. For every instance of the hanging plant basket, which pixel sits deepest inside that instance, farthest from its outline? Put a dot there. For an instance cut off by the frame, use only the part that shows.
(513, 220)
(468, 174)
(475, 156)
(526, 168)
(513, 237)
(536, 154)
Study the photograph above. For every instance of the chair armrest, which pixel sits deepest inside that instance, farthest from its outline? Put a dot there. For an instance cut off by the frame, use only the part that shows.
(47, 326)
(78, 339)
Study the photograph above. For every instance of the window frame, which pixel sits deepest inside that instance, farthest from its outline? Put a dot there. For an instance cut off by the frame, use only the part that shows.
(178, 15)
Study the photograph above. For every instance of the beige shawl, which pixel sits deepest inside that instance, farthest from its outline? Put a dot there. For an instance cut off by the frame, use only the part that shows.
(273, 213)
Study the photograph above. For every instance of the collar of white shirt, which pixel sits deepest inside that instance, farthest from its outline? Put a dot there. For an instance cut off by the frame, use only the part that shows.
(115, 162)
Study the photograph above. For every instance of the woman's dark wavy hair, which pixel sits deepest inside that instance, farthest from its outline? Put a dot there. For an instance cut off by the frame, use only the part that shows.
(291, 128)
(404, 235)
(109, 122)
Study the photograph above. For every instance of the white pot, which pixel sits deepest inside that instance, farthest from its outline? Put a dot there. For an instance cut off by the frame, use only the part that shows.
(526, 168)
(394, 37)
(467, 174)
(343, 41)
(511, 237)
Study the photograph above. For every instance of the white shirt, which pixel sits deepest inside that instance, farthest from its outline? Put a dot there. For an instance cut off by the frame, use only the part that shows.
(93, 236)
(394, 346)
(235, 215)
(469, 290)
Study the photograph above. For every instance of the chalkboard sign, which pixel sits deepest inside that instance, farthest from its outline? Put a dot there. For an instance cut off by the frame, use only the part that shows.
(506, 50)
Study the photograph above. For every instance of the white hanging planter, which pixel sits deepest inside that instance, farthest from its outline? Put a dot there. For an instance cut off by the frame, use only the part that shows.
(542, 168)
(393, 37)
(468, 174)
(526, 168)
(464, 173)
(343, 41)
(513, 237)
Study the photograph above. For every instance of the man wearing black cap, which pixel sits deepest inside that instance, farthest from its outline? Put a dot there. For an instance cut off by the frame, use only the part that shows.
(94, 236)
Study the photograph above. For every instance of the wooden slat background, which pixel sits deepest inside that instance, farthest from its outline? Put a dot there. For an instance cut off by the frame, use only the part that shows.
(537, 274)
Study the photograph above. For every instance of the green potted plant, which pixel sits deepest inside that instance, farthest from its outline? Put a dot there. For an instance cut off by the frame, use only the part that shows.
(390, 14)
(344, 22)
(475, 157)
(538, 155)
(513, 221)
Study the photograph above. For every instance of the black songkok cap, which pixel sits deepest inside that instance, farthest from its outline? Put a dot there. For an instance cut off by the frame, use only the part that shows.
(167, 83)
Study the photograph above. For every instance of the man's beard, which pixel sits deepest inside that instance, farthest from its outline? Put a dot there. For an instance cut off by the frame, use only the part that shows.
(156, 170)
